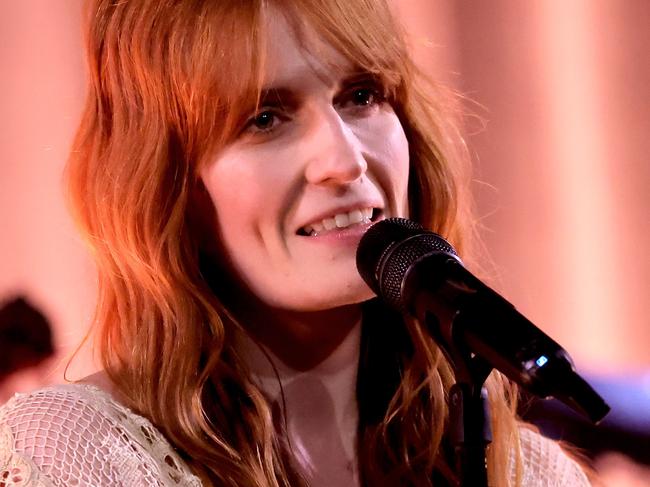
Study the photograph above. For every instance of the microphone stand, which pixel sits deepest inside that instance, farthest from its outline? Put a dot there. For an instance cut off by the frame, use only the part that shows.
(419, 273)
(469, 416)
(470, 431)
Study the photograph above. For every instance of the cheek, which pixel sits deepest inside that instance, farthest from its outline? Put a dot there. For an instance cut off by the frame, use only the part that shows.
(233, 208)
(227, 202)
(399, 155)
(236, 217)
(224, 179)
(246, 190)
(388, 148)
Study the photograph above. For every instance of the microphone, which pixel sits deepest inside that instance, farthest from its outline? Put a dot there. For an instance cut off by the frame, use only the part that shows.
(419, 273)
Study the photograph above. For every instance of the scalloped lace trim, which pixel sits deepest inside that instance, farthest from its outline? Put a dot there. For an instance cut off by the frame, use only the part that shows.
(77, 434)
(17, 470)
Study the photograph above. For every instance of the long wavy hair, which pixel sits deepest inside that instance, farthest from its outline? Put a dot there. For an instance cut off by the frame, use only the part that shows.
(170, 83)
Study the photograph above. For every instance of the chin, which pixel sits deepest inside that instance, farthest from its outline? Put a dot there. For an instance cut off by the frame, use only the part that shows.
(356, 296)
(321, 301)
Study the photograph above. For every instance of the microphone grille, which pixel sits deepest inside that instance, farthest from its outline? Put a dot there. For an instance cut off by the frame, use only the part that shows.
(387, 251)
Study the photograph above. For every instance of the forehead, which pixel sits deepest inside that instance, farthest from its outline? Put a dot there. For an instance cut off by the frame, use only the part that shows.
(296, 54)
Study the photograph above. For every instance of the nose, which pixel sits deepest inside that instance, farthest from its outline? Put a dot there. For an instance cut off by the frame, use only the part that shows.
(337, 157)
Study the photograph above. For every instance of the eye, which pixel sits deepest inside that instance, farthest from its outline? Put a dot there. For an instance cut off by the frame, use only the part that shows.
(360, 98)
(364, 96)
(263, 122)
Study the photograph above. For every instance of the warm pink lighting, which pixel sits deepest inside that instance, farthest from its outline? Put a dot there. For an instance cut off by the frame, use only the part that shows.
(572, 79)
(566, 147)
(564, 91)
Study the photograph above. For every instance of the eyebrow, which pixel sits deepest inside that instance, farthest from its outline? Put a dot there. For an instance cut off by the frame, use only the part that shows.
(281, 96)
(287, 96)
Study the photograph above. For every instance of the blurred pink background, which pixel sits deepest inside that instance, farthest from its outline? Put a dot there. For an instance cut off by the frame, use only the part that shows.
(562, 177)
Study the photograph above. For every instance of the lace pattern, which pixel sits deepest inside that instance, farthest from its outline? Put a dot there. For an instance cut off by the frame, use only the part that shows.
(545, 464)
(77, 435)
(15, 469)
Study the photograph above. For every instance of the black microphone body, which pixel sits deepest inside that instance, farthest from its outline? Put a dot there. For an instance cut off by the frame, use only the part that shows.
(419, 273)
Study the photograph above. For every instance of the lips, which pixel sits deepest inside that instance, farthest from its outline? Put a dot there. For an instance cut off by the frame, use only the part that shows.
(340, 220)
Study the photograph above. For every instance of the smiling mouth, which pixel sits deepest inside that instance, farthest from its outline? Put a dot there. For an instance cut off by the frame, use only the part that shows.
(340, 221)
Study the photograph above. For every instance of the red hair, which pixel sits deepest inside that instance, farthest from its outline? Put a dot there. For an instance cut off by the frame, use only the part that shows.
(170, 83)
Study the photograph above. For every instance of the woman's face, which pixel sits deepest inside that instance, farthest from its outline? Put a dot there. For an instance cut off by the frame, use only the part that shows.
(297, 189)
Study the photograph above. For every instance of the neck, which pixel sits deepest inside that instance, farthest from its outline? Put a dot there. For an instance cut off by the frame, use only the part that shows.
(316, 407)
(303, 340)
(294, 358)
(300, 339)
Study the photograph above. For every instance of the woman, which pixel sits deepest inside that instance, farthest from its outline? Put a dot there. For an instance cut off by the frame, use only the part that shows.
(230, 157)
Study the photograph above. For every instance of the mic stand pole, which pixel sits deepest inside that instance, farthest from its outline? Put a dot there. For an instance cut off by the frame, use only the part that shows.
(470, 432)
(469, 418)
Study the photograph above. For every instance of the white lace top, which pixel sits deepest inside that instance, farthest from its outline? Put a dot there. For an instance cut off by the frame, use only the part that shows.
(77, 435)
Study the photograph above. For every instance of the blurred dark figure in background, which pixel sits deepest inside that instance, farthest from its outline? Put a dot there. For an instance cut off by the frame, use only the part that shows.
(25, 337)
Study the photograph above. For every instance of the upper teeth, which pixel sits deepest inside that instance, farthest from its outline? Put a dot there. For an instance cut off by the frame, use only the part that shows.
(340, 220)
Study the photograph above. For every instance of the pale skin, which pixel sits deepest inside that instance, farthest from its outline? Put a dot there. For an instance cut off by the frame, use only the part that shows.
(328, 145)
(324, 143)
